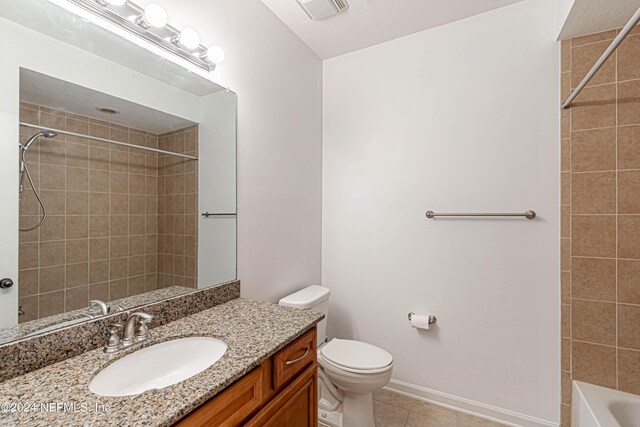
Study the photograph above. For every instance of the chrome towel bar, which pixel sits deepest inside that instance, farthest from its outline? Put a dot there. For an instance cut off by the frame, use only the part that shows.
(209, 214)
(528, 214)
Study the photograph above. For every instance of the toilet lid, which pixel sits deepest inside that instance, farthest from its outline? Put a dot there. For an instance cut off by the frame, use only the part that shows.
(356, 354)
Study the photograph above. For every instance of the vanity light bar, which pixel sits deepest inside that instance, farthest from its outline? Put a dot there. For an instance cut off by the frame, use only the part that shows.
(130, 17)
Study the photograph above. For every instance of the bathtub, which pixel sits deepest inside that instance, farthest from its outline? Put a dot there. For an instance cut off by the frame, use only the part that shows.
(594, 406)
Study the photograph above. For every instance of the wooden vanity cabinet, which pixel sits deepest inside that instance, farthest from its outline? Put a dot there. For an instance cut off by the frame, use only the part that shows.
(281, 392)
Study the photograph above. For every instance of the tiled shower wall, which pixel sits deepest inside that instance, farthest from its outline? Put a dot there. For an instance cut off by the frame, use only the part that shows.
(100, 239)
(178, 209)
(600, 217)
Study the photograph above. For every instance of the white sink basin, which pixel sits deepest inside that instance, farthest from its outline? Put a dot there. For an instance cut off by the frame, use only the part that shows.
(158, 366)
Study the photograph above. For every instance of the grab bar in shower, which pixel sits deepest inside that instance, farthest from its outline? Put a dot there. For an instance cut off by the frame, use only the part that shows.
(527, 214)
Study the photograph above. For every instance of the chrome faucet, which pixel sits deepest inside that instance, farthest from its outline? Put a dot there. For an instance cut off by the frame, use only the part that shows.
(104, 308)
(135, 330)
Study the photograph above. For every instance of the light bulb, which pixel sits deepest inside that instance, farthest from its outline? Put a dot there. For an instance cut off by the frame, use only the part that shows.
(189, 38)
(116, 2)
(155, 16)
(215, 54)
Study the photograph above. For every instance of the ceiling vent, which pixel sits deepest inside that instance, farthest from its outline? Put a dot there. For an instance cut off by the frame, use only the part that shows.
(321, 9)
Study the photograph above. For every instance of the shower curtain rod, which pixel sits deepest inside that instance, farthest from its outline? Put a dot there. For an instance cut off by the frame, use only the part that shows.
(110, 141)
(607, 53)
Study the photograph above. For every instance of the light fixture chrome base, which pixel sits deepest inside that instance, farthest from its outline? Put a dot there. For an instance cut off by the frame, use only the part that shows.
(159, 37)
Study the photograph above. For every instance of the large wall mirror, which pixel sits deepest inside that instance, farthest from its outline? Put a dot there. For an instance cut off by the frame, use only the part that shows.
(117, 174)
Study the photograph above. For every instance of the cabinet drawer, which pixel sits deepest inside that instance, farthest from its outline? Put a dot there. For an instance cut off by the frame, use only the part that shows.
(232, 406)
(294, 358)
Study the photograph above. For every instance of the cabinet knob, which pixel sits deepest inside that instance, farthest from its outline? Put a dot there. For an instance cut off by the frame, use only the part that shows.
(6, 283)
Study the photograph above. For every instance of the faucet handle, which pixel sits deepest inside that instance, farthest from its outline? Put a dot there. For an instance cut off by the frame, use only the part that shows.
(113, 344)
(104, 308)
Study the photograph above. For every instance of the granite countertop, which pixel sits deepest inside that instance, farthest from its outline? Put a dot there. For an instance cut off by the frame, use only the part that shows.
(58, 395)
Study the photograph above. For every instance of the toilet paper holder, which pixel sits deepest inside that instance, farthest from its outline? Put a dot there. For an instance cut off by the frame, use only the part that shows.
(432, 319)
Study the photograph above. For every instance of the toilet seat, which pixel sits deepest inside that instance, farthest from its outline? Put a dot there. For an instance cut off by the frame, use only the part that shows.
(356, 357)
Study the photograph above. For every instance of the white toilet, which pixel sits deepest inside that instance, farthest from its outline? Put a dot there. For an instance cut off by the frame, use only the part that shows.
(349, 372)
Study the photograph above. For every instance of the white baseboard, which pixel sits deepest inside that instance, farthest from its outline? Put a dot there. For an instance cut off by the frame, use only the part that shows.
(470, 407)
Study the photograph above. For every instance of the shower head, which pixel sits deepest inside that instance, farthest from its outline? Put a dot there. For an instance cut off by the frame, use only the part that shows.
(45, 133)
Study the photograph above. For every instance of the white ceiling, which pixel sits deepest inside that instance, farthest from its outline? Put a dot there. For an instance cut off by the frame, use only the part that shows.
(36, 88)
(593, 16)
(369, 22)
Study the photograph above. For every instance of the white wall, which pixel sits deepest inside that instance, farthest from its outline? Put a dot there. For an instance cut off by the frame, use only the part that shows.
(279, 85)
(464, 118)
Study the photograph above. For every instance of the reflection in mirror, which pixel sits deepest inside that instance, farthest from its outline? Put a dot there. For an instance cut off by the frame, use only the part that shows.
(108, 205)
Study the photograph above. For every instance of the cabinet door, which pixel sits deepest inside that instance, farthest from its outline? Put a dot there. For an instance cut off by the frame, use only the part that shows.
(295, 406)
(232, 406)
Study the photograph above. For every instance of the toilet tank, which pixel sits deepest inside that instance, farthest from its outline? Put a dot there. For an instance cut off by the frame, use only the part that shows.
(315, 298)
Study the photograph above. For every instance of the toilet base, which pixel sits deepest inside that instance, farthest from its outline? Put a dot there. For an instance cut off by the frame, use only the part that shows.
(329, 418)
(358, 410)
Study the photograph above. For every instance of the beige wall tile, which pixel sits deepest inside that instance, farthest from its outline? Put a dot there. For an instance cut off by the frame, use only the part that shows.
(565, 354)
(77, 250)
(77, 298)
(119, 204)
(565, 254)
(91, 172)
(593, 235)
(593, 321)
(99, 226)
(99, 291)
(593, 363)
(565, 188)
(77, 227)
(565, 287)
(629, 103)
(77, 274)
(53, 177)
(29, 305)
(77, 203)
(629, 281)
(28, 282)
(582, 60)
(52, 253)
(596, 108)
(119, 225)
(565, 381)
(594, 279)
(628, 57)
(77, 155)
(51, 279)
(77, 179)
(629, 326)
(629, 236)
(51, 303)
(119, 247)
(99, 272)
(593, 38)
(53, 228)
(99, 181)
(118, 289)
(629, 147)
(565, 415)
(54, 201)
(118, 268)
(99, 249)
(593, 150)
(119, 182)
(565, 321)
(593, 193)
(628, 372)
(629, 192)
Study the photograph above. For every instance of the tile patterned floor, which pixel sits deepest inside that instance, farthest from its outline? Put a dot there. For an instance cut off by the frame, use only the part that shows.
(395, 410)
